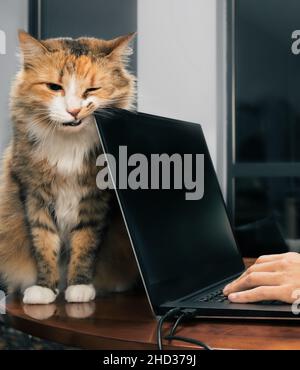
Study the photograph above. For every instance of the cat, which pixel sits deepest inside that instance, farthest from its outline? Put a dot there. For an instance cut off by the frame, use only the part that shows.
(51, 211)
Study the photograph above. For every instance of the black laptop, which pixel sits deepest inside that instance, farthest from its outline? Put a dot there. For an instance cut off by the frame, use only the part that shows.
(185, 249)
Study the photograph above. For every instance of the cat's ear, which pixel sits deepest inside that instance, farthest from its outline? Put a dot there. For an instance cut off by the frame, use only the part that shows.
(30, 47)
(121, 47)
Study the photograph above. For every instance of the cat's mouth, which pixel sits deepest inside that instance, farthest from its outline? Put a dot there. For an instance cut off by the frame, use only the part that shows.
(73, 123)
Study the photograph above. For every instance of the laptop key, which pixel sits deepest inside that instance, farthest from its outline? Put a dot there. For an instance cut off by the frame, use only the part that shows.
(216, 296)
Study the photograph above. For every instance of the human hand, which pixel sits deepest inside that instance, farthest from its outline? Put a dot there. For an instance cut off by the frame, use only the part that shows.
(274, 277)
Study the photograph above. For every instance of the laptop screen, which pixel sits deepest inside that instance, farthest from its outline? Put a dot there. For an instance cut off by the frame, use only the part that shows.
(181, 236)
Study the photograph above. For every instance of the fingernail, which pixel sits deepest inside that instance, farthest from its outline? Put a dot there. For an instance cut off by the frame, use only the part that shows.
(225, 290)
(233, 296)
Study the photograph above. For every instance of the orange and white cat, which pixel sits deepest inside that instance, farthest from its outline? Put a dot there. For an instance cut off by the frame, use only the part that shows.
(51, 211)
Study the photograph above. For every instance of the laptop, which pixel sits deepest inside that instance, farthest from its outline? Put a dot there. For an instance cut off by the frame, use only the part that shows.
(185, 248)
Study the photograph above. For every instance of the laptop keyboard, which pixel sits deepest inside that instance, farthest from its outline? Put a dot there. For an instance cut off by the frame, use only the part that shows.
(216, 296)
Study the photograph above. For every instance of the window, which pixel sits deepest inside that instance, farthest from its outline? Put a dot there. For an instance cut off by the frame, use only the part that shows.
(264, 130)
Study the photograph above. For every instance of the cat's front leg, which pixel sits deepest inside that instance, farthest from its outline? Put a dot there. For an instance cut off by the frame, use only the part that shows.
(85, 240)
(45, 248)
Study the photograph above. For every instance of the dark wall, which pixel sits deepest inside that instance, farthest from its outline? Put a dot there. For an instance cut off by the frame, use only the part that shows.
(98, 18)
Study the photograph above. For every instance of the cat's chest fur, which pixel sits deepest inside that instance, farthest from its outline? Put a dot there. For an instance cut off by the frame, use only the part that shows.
(67, 157)
(64, 152)
(67, 199)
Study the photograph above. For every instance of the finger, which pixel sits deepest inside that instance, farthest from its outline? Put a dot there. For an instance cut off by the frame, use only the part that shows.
(227, 287)
(270, 258)
(254, 279)
(273, 266)
(263, 267)
(269, 293)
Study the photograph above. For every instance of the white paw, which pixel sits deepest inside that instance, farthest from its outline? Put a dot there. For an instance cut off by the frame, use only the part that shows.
(80, 310)
(40, 312)
(38, 295)
(80, 293)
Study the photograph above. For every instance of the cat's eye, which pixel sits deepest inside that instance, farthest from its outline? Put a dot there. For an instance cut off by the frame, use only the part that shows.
(91, 89)
(54, 87)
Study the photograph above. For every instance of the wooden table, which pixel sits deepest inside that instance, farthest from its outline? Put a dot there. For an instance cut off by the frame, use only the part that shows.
(125, 322)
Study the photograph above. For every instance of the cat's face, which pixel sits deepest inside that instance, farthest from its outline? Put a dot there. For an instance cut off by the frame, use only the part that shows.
(63, 81)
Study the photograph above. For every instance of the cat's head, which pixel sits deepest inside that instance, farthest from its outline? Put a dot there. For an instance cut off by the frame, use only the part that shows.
(63, 81)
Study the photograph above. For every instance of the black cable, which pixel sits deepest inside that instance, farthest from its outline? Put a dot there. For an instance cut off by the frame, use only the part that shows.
(177, 322)
(189, 340)
(184, 313)
(161, 321)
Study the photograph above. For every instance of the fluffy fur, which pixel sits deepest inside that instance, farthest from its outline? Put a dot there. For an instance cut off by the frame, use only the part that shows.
(51, 212)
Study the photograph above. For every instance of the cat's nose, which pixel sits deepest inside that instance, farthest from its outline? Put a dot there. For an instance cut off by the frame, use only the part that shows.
(74, 111)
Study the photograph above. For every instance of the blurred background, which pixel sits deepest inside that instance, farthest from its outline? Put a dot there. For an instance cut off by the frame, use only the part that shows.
(227, 65)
